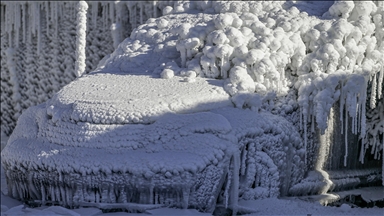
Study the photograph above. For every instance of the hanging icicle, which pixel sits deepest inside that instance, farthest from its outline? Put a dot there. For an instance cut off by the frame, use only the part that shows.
(154, 5)
(373, 92)
(346, 139)
(380, 84)
(141, 5)
(38, 30)
(235, 182)
(24, 20)
(111, 6)
(46, 7)
(305, 120)
(81, 38)
(342, 101)
(95, 10)
(57, 15)
(17, 24)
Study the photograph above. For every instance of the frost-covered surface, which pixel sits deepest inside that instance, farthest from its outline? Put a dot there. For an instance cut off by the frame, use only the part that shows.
(133, 98)
(43, 38)
(166, 96)
(179, 160)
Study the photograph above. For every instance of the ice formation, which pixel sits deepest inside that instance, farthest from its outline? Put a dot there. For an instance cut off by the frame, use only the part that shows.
(308, 90)
(81, 29)
(170, 159)
(44, 38)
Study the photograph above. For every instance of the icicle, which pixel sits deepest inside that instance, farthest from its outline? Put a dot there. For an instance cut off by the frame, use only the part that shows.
(312, 120)
(243, 159)
(358, 115)
(373, 92)
(301, 118)
(346, 139)
(47, 15)
(62, 191)
(154, 8)
(51, 189)
(57, 193)
(235, 182)
(380, 84)
(342, 101)
(95, 9)
(24, 22)
(362, 131)
(59, 9)
(353, 124)
(69, 196)
(112, 12)
(2, 15)
(156, 198)
(36, 14)
(103, 14)
(81, 38)
(151, 194)
(123, 195)
(52, 6)
(141, 12)
(57, 14)
(112, 196)
(305, 136)
(6, 26)
(185, 197)
(134, 13)
(226, 195)
(38, 31)
(356, 118)
(363, 100)
(17, 25)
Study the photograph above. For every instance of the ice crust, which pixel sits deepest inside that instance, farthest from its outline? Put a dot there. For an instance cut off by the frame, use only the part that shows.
(180, 160)
(133, 98)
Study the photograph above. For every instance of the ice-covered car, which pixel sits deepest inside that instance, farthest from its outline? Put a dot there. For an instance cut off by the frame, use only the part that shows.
(118, 138)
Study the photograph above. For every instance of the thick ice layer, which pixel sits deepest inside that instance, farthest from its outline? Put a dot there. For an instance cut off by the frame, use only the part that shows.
(147, 164)
(179, 160)
(119, 99)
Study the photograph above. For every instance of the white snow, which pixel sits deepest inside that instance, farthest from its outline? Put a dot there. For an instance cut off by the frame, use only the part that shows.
(81, 29)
